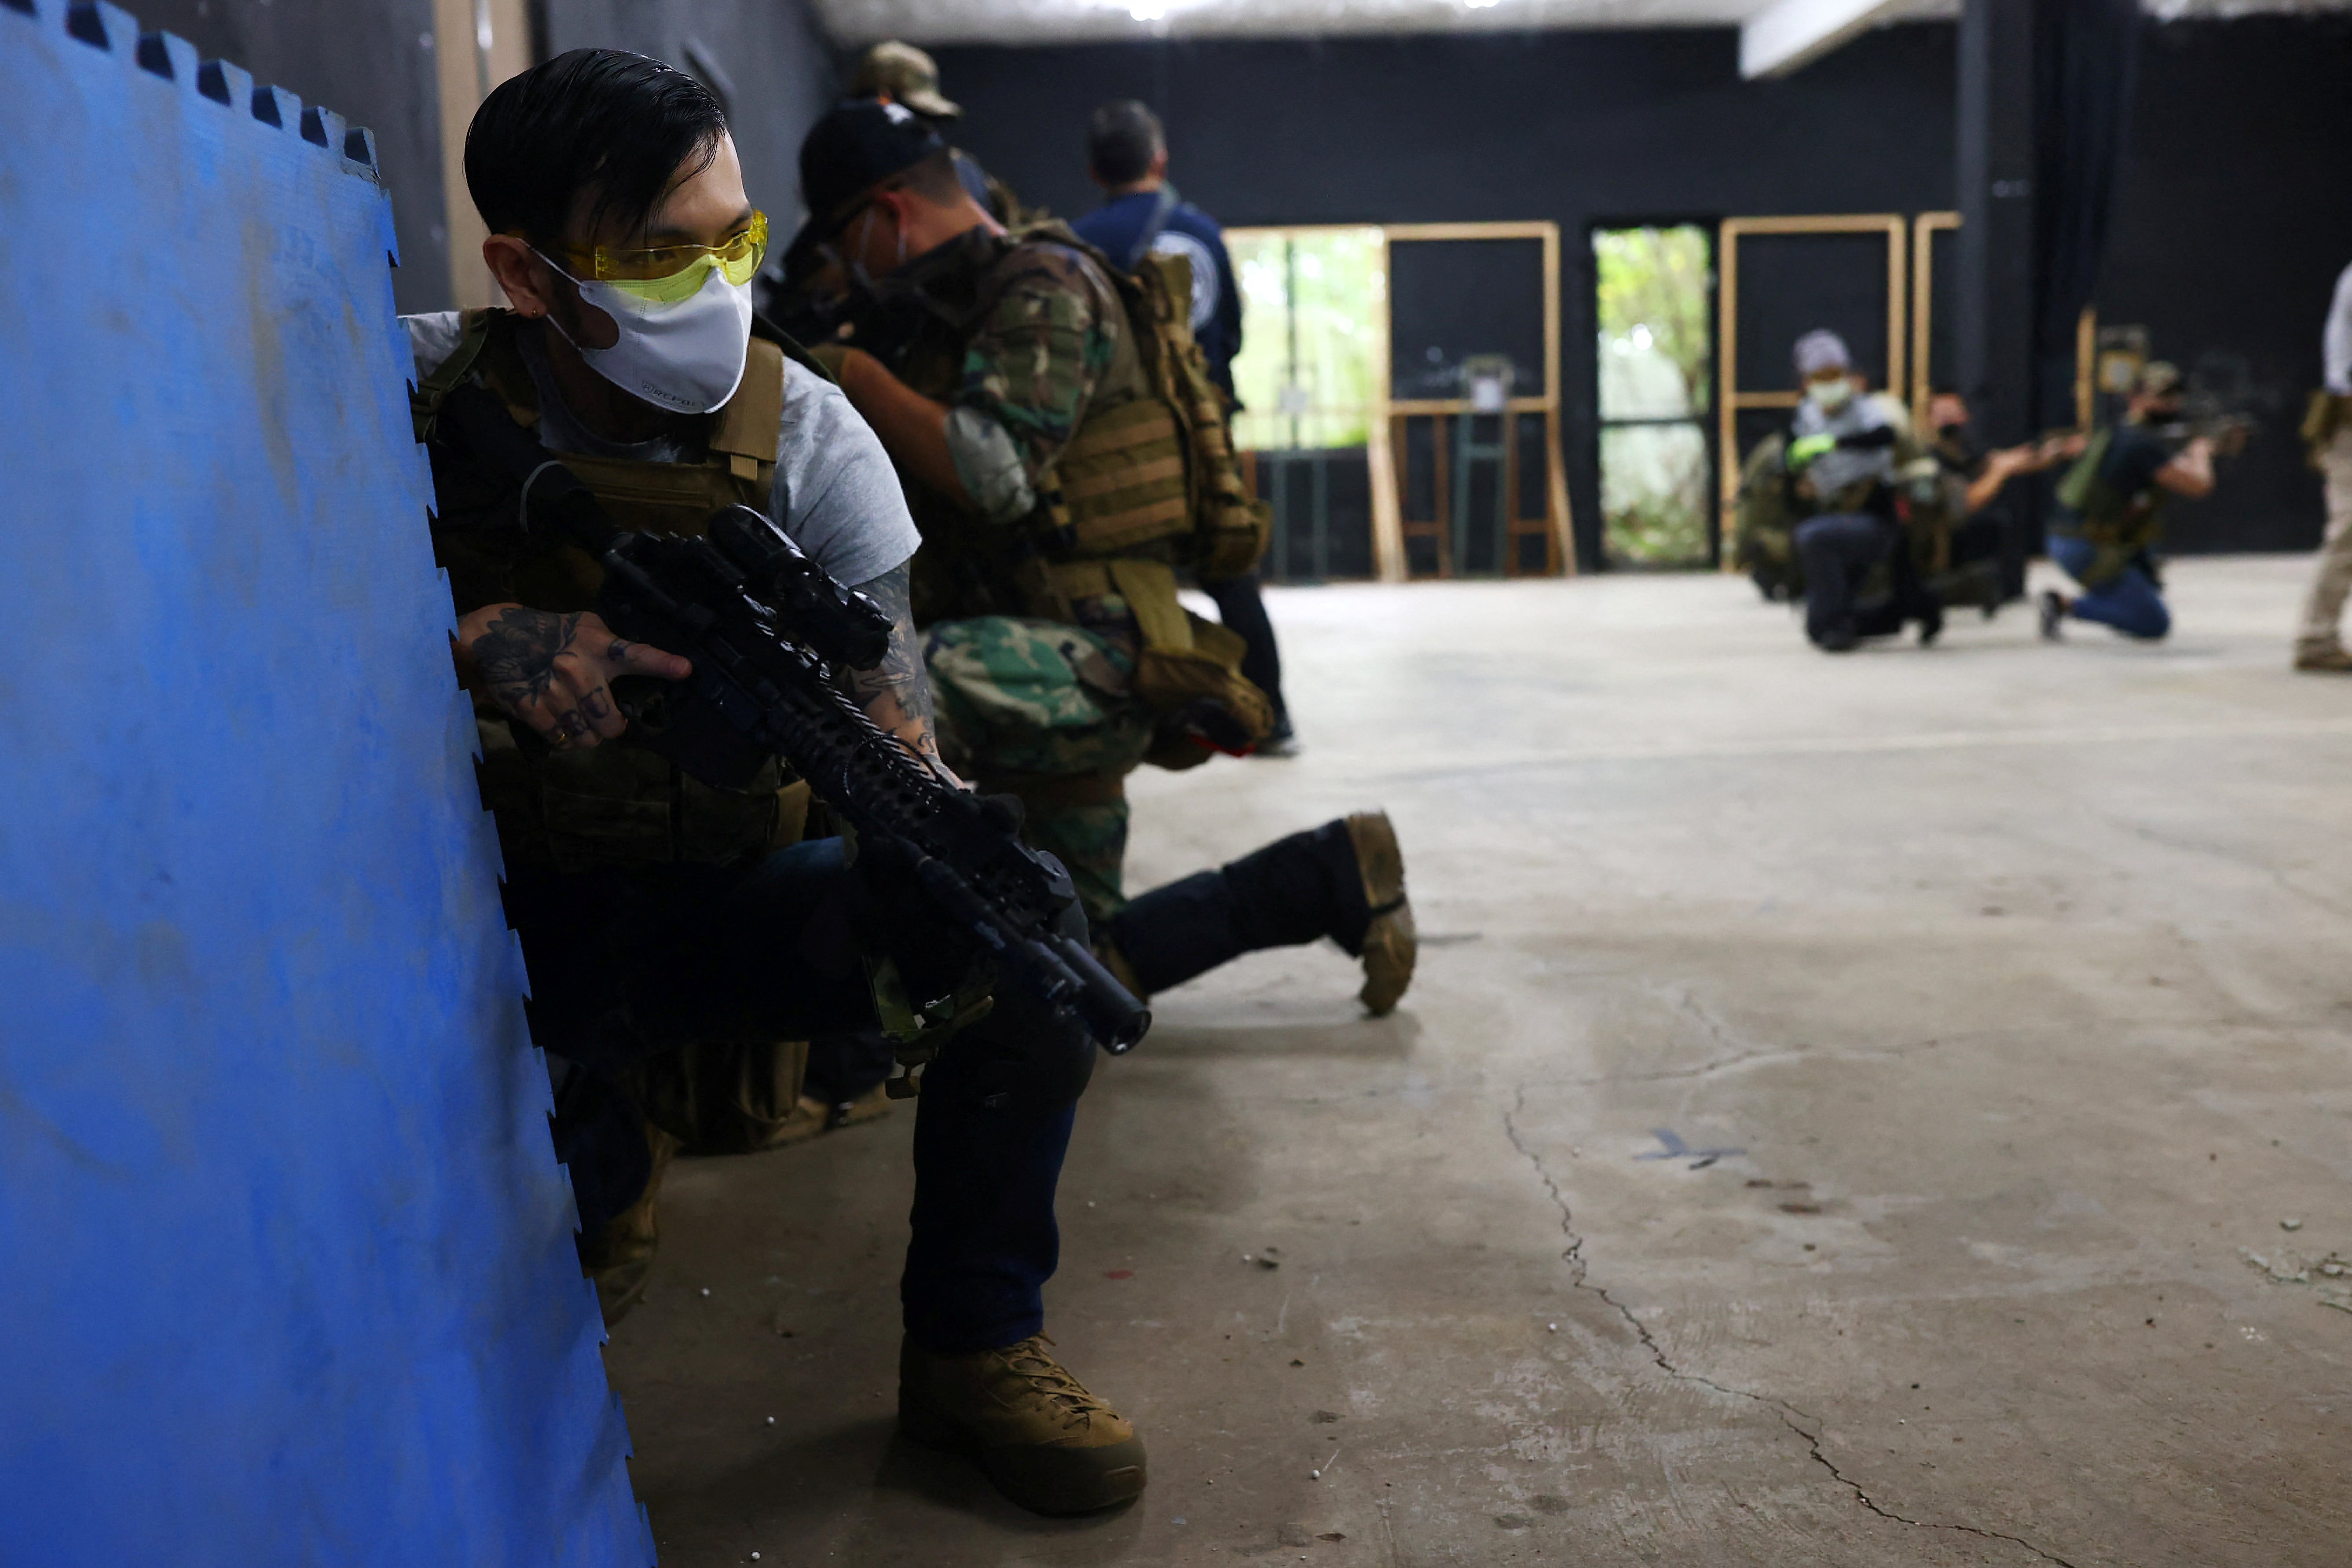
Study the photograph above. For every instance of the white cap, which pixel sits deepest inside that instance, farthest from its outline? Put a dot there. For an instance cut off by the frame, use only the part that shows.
(1818, 351)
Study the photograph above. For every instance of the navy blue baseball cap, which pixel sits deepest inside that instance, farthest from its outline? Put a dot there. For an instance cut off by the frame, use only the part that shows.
(856, 147)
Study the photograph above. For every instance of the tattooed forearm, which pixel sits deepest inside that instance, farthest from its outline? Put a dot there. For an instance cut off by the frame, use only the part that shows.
(515, 654)
(895, 694)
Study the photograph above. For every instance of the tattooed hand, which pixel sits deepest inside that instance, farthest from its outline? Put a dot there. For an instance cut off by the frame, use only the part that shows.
(554, 672)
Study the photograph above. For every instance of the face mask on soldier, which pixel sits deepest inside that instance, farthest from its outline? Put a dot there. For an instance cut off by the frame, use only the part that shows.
(1831, 393)
(686, 355)
(890, 313)
(851, 256)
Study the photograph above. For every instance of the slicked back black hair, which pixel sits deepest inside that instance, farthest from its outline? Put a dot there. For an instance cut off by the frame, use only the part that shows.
(1121, 141)
(619, 127)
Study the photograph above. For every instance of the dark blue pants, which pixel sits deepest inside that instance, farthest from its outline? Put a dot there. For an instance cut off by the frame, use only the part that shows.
(625, 964)
(1242, 608)
(2129, 601)
(1839, 548)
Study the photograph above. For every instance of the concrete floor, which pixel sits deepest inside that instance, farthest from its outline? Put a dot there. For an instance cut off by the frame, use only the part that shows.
(1994, 995)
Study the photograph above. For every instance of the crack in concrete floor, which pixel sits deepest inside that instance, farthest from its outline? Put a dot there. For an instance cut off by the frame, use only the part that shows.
(1580, 1278)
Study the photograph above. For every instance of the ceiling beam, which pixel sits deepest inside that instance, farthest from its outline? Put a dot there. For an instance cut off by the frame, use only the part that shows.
(1789, 34)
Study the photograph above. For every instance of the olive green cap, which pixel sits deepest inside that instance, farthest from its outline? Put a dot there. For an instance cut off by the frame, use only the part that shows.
(904, 75)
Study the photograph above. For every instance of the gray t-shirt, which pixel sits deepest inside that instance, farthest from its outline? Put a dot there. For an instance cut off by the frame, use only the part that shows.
(836, 492)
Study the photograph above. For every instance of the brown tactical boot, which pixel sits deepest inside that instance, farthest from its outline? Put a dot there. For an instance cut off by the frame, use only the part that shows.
(619, 1257)
(2323, 660)
(1390, 944)
(1032, 1428)
(1344, 880)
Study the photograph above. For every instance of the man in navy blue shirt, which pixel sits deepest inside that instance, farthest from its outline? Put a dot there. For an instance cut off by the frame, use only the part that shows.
(1126, 152)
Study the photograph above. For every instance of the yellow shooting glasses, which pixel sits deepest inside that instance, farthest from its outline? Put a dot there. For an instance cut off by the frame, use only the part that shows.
(669, 273)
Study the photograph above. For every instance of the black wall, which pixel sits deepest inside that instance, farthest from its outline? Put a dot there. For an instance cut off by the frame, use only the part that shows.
(766, 58)
(2236, 218)
(2231, 227)
(373, 65)
(373, 62)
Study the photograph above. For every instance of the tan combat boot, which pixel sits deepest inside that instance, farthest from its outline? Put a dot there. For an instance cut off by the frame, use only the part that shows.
(619, 1257)
(1040, 1436)
(1390, 944)
(2326, 660)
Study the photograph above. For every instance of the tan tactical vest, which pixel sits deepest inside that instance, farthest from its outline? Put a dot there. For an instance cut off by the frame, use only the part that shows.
(618, 804)
(1146, 484)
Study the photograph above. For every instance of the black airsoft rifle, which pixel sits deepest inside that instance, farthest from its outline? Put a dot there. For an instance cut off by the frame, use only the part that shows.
(2206, 417)
(766, 629)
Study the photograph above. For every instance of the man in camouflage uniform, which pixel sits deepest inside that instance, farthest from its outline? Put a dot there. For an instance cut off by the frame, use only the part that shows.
(1005, 375)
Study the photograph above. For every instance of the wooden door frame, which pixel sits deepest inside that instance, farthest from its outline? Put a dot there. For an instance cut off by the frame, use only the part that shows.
(1388, 531)
(1729, 234)
(1923, 230)
(1384, 448)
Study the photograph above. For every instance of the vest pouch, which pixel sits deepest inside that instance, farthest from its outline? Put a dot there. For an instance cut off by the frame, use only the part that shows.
(2074, 490)
(1231, 527)
(662, 497)
(1205, 697)
(633, 809)
(607, 806)
(622, 804)
(726, 1097)
(2326, 413)
(1122, 479)
(719, 826)
(1233, 536)
(1186, 663)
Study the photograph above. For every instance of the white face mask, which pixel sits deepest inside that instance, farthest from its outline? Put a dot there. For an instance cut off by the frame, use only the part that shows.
(686, 356)
(1832, 395)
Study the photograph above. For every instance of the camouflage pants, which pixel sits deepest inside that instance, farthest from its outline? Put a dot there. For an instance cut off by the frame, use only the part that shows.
(1041, 709)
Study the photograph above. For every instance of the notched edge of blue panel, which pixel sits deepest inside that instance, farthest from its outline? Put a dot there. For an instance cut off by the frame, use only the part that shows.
(223, 82)
(276, 106)
(101, 24)
(25, 6)
(171, 56)
(121, 28)
(86, 20)
(521, 970)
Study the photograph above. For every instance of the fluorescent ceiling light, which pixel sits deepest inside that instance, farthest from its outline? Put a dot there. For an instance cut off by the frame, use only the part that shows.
(932, 23)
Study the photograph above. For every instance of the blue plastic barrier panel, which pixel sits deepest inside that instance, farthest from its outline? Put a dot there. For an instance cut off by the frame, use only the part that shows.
(288, 1263)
